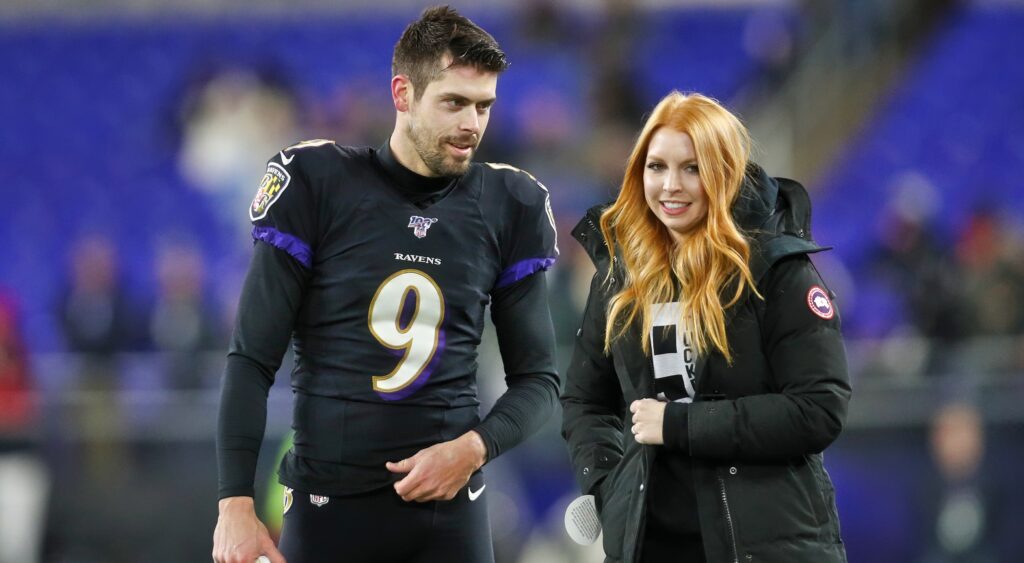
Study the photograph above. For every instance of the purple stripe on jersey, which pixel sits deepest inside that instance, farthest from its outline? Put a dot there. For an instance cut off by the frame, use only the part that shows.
(288, 243)
(424, 375)
(521, 269)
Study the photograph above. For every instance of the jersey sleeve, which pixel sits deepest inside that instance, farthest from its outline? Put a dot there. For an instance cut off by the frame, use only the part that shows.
(283, 210)
(526, 338)
(270, 300)
(529, 243)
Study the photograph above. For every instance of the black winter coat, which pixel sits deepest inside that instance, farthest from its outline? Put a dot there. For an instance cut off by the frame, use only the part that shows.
(755, 430)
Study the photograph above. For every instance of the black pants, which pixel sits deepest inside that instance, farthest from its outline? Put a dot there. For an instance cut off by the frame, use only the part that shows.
(380, 527)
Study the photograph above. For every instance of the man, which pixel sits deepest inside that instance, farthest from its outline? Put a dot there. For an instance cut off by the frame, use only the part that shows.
(379, 263)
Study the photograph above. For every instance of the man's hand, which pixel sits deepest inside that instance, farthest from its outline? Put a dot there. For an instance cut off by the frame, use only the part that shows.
(240, 537)
(440, 471)
(648, 418)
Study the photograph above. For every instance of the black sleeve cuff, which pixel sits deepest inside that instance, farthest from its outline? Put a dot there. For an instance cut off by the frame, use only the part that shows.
(519, 413)
(490, 443)
(675, 427)
(241, 423)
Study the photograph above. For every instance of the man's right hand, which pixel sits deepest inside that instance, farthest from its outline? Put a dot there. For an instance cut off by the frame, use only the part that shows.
(240, 537)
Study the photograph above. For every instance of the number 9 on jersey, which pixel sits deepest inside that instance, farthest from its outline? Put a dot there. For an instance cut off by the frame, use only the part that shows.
(414, 332)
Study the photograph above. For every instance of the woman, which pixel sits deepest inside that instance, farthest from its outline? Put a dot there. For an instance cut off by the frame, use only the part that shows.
(709, 372)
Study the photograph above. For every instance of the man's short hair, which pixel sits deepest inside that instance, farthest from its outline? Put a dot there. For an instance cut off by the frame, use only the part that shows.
(441, 30)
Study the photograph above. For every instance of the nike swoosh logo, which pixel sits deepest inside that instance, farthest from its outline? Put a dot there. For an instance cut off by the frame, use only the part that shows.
(287, 159)
(475, 495)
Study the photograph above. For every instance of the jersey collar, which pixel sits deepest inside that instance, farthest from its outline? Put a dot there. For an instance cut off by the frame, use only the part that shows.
(408, 181)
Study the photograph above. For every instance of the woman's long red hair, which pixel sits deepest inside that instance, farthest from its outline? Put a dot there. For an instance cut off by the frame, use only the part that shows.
(700, 270)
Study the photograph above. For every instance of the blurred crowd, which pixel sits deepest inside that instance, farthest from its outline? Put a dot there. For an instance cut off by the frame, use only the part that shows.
(948, 298)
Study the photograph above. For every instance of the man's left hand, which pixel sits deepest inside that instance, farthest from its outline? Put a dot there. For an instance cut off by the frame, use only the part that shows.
(440, 471)
(648, 419)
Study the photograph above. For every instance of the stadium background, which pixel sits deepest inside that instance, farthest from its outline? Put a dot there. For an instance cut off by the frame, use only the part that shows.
(134, 135)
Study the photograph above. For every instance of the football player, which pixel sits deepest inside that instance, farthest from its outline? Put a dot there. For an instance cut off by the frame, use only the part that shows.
(378, 263)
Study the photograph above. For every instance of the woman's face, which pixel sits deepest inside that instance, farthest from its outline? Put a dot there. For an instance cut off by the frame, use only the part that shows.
(672, 183)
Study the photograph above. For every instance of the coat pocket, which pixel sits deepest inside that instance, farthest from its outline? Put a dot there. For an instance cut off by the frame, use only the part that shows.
(775, 501)
(614, 495)
(828, 493)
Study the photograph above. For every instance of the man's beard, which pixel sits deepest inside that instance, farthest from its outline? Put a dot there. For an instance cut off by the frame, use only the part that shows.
(434, 154)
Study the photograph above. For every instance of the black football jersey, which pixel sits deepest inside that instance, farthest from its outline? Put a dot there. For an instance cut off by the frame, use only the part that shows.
(387, 331)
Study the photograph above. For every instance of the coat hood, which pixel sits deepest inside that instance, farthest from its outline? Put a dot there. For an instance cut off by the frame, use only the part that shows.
(774, 213)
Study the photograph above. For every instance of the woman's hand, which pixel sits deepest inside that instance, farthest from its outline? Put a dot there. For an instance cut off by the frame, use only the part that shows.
(648, 417)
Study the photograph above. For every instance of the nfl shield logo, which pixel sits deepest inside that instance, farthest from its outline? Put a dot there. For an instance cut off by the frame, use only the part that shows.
(319, 500)
(420, 225)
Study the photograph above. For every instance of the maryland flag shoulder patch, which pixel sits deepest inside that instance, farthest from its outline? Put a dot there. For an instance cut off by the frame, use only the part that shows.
(271, 187)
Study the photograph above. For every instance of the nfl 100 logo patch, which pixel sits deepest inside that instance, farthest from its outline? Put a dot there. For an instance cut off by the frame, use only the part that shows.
(319, 500)
(419, 225)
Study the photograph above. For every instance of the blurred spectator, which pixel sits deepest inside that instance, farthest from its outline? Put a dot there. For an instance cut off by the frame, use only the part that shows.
(911, 261)
(354, 113)
(607, 150)
(545, 117)
(97, 318)
(963, 299)
(99, 322)
(960, 506)
(543, 22)
(614, 96)
(182, 324)
(23, 477)
(993, 277)
(233, 122)
(569, 283)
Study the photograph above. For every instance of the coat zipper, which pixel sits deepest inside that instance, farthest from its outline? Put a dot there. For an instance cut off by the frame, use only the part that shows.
(641, 520)
(595, 230)
(728, 520)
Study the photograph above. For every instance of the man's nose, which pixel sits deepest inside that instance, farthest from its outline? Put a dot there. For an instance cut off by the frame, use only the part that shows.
(470, 122)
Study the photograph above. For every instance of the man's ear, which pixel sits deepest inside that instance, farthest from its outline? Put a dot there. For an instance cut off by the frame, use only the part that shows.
(401, 92)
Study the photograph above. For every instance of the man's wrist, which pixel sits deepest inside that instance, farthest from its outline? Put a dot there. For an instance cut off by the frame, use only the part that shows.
(236, 503)
(476, 442)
